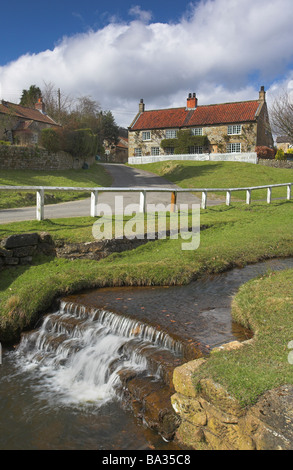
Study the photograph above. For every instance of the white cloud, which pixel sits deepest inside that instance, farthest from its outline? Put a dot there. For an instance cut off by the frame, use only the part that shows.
(214, 50)
(140, 14)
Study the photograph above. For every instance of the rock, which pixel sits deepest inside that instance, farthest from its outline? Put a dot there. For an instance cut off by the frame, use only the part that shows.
(16, 241)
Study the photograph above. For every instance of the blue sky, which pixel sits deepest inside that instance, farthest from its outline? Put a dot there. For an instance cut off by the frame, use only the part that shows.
(119, 52)
(38, 25)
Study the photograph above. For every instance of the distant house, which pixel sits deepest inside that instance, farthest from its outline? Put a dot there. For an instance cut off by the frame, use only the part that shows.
(201, 129)
(22, 125)
(117, 153)
(283, 143)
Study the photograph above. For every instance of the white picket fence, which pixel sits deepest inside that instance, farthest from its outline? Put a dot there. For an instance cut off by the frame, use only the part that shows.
(40, 194)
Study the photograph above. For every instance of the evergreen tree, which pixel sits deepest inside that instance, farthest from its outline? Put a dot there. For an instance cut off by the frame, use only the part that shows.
(30, 97)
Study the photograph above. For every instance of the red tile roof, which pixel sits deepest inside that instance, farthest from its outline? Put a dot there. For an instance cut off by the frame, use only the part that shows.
(227, 113)
(19, 111)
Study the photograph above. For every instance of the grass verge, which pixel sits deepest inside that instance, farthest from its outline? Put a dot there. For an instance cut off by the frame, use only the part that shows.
(265, 305)
(94, 176)
(222, 175)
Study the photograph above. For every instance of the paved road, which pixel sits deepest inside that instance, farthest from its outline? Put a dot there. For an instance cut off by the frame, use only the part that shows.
(122, 176)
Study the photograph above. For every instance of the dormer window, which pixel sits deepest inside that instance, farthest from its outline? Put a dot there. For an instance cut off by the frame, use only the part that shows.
(234, 129)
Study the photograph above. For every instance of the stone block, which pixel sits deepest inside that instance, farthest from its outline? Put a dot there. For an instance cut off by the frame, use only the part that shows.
(191, 436)
(183, 378)
(25, 261)
(24, 251)
(16, 241)
(189, 409)
(271, 420)
(11, 261)
(217, 395)
(223, 417)
(5, 253)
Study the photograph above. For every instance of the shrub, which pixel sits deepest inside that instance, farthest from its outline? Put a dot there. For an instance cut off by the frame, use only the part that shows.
(4, 142)
(50, 140)
(280, 155)
(184, 141)
(265, 152)
(81, 143)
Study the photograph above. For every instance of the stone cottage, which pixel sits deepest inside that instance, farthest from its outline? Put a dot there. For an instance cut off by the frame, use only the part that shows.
(235, 127)
(283, 142)
(22, 125)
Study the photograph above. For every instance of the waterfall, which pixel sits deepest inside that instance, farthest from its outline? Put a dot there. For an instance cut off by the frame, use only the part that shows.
(79, 353)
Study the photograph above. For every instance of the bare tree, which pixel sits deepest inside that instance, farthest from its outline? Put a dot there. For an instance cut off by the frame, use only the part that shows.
(58, 105)
(281, 114)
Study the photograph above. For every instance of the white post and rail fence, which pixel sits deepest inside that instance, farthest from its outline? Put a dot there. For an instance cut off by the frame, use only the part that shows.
(40, 194)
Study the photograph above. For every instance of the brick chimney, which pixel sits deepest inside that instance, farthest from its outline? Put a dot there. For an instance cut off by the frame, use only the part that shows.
(141, 106)
(40, 106)
(191, 101)
(262, 95)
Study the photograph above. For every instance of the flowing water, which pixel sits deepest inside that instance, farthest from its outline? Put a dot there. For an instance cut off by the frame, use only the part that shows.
(63, 386)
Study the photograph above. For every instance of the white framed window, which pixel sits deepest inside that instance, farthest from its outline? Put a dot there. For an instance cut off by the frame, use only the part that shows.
(196, 131)
(137, 152)
(195, 149)
(171, 133)
(234, 129)
(155, 151)
(234, 148)
(146, 135)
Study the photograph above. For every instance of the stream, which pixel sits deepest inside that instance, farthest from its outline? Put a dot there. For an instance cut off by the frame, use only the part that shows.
(63, 387)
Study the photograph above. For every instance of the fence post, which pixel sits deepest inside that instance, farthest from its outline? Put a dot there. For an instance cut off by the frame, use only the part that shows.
(173, 201)
(142, 202)
(94, 203)
(40, 204)
(289, 192)
(248, 196)
(269, 196)
(228, 198)
(204, 200)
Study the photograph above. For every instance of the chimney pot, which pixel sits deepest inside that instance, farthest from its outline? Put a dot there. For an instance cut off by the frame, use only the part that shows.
(141, 106)
(262, 94)
(192, 101)
(40, 106)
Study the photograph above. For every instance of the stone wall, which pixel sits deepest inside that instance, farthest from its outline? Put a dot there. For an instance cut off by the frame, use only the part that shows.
(211, 419)
(13, 157)
(96, 250)
(276, 163)
(20, 249)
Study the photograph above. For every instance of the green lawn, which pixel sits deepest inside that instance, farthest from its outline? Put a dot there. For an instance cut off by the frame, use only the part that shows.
(95, 176)
(222, 175)
(235, 236)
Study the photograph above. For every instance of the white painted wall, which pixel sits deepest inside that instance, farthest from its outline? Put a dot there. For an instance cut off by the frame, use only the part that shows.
(250, 157)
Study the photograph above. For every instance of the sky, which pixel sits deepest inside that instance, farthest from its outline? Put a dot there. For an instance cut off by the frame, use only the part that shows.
(118, 52)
